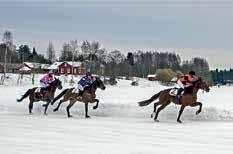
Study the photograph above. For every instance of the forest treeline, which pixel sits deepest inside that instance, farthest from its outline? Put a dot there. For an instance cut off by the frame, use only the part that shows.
(113, 63)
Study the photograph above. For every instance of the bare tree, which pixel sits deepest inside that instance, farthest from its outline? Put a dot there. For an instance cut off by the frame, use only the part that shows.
(51, 53)
(8, 41)
(74, 48)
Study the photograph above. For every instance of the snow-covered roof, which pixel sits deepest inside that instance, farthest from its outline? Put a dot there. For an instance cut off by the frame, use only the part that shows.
(55, 65)
(32, 65)
(151, 76)
(24, 69)
(75, 64)
(45, 66)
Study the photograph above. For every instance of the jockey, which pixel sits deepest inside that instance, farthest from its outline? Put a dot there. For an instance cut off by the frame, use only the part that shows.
(185, 81)
(84, 83)
(45, 82)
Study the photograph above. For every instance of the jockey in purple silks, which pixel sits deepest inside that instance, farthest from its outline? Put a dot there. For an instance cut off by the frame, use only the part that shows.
(45, 82)
(84, 83)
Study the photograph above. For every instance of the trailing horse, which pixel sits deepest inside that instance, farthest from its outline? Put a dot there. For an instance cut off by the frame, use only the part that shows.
(48, 96)
(186, 100)
(87, 97)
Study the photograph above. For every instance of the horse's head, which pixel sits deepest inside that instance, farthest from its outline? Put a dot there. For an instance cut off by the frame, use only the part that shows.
(57, 83)
(200, 84)
(99, 83)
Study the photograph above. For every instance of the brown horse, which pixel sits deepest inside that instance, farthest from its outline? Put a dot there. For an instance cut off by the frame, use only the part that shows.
(87, 97)
(48, 96)
(186, 100)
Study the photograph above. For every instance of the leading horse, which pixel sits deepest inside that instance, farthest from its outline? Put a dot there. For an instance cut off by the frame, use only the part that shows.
(87, 97)
(48, 96)
(186, 100)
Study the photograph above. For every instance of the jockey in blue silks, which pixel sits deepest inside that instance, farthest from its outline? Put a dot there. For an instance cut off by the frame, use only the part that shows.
(84, 83)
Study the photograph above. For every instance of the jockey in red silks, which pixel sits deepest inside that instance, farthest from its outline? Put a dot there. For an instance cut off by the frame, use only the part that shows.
(84, 83)
(45, 82)
(185, 81)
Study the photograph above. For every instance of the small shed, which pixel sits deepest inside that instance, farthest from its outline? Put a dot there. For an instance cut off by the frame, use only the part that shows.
(151, 77)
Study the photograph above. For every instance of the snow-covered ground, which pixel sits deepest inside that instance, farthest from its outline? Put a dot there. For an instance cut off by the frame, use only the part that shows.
(118, 125)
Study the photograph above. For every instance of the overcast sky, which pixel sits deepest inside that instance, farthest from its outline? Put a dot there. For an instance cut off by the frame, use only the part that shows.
(190, 28)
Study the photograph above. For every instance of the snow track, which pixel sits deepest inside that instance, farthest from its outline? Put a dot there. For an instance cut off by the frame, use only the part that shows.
(119, 125)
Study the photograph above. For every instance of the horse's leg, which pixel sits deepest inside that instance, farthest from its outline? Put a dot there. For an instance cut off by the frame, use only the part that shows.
(197, 104)
(180, 112)
(160, 109)
(97, 103)
(68, 108)
(30, 106)
(46, 107)
(59, 104)
(86, 110)
(155, 106)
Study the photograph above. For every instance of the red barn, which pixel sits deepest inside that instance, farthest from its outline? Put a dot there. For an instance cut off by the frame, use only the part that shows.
(67, 68)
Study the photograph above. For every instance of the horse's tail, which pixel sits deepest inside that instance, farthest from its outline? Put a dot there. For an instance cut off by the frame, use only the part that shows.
(25, 95)
(59, 96)
(148, 101)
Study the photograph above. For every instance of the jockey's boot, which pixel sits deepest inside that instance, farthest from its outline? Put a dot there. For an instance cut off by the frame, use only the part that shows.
(178, 95)
(80, 93)
(41, 93)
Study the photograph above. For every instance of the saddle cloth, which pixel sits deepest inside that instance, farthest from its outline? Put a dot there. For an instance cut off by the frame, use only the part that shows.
(174, 91)
(38, 90)
(75, 90)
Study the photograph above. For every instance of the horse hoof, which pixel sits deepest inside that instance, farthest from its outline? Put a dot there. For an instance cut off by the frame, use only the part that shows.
(198, 112)
(70, 116)
(179, 121)
(45, 114)
(88, 117)
(156, 120)
(94, 107)
(152, 115)
(54, 110)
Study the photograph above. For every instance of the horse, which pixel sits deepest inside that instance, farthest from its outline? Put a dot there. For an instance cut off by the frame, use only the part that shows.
(87, 97)
(48, 96)
(188, 99)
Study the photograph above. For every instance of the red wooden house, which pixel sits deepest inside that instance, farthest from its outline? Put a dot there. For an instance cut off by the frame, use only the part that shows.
(67, 68)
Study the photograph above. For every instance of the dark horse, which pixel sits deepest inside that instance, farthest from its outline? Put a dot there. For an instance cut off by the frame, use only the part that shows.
(186, 100)
(88, 96)
(48, 96)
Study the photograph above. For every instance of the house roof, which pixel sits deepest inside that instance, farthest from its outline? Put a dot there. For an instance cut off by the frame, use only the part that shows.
(151, 76)
(75, 64)
(55, 65)
(24, 69)
(45, 66)
(32, 65)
